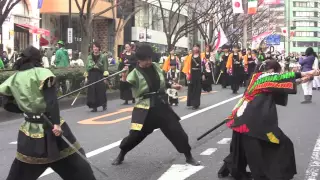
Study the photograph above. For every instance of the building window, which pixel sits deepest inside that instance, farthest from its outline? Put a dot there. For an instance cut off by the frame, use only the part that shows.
(304, 4)
(305, 24)
(306, 44)
(304, 14)
(305, 34)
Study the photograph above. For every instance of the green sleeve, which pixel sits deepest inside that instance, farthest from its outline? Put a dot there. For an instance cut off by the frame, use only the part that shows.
(44, 74)
(89, 64)
(105, 63)
(58, 57)
(5, 86)
(281, 83)
(1, 64)
(132, 78)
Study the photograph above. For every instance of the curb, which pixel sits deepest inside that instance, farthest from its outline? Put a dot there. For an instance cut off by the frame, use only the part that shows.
(63, 104)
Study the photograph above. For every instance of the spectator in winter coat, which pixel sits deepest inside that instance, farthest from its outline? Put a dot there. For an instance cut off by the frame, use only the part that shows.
(306, 65)
(62, 56)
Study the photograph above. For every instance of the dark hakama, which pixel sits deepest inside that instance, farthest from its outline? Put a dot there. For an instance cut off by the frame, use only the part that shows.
(207, 83)
(96, 95)
(257, 139)
(251, 68)
(237, 73)
(159, 115)
(194, 87)
(224, 77)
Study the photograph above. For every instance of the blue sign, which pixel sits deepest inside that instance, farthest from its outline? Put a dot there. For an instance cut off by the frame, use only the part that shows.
(40, 4)
(273, 40)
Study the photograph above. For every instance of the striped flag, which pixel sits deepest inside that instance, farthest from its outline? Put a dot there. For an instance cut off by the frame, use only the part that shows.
(252, 6)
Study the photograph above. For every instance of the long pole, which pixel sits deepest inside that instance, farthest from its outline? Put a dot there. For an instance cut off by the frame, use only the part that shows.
(245, 26)
(80, 89)
(70, 21)
(289, 23)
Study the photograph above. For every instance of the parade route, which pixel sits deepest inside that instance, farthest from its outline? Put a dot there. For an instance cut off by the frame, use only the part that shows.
(156, 158)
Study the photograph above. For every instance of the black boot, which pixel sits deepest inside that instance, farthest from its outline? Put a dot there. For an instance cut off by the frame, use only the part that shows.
(307, 99)
(133, 101)
(125, 102)
(191, 160)
(119, 159)
(94, 110)
(104, 107)
(223, 171)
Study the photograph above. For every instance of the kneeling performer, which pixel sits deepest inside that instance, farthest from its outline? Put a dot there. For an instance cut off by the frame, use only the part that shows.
(152, 110)
(31, 90)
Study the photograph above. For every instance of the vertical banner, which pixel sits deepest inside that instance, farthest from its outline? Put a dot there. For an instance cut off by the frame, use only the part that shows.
(70, 35)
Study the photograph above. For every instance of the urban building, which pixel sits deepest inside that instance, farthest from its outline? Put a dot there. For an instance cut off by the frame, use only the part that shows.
(55, 18)
(302, 17)
(21, 27)
(147, 25)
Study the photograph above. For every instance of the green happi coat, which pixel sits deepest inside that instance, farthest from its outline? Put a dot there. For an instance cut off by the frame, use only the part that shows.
(102, 64)
(140, 87)
(26, 89)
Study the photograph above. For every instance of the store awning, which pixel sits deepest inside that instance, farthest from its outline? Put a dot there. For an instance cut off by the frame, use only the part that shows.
(34, 29)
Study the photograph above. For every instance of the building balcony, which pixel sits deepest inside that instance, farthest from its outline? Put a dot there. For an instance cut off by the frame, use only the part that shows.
(309, 39)
(313, 29)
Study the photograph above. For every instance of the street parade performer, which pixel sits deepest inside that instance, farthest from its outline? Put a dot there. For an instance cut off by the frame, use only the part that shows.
(236, 66)
(127, 59)
(96, 69)
(207, 69)
(257, 140)
(193, 70)
(171, 62)
(152, 110)
(31, 90)
(172, 77)
(224, 76)
(251, 65)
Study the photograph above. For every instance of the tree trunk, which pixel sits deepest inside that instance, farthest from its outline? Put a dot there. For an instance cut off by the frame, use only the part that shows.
(84, 48)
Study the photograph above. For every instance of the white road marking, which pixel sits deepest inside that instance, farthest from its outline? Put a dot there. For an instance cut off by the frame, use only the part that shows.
(208, 152)
(14, 142)
(115, 144)
(224, 141)
(314, 165)
(180, 172)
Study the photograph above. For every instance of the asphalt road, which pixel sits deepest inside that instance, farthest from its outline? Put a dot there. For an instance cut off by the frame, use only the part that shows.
(155, 158)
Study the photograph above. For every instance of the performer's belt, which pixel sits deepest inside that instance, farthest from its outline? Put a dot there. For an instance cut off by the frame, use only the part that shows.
(156, 98)
(33, 118)
(195, 68)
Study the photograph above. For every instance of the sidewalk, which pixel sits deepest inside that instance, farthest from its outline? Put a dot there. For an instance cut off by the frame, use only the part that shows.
(63, 104)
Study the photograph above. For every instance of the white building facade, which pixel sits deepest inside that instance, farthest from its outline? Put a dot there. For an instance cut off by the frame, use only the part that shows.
(21, 28)
(148, 25)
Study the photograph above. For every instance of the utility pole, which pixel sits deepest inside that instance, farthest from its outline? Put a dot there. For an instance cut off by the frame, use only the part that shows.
(70, 30)
(289, 26)
(245, 26)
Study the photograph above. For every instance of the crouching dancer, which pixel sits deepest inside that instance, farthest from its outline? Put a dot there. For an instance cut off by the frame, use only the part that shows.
(152, 110)
(31, 90)
(257, 140)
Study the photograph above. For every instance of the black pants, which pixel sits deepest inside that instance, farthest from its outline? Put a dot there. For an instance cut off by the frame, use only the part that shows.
(70, 168)
(267, 161)
(169, 125)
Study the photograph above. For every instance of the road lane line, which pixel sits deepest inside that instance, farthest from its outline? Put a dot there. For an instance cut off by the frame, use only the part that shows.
(180, 172)
(314, 165)
(14, 142)
(115, 144)
(224, 141)
(208, 152)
